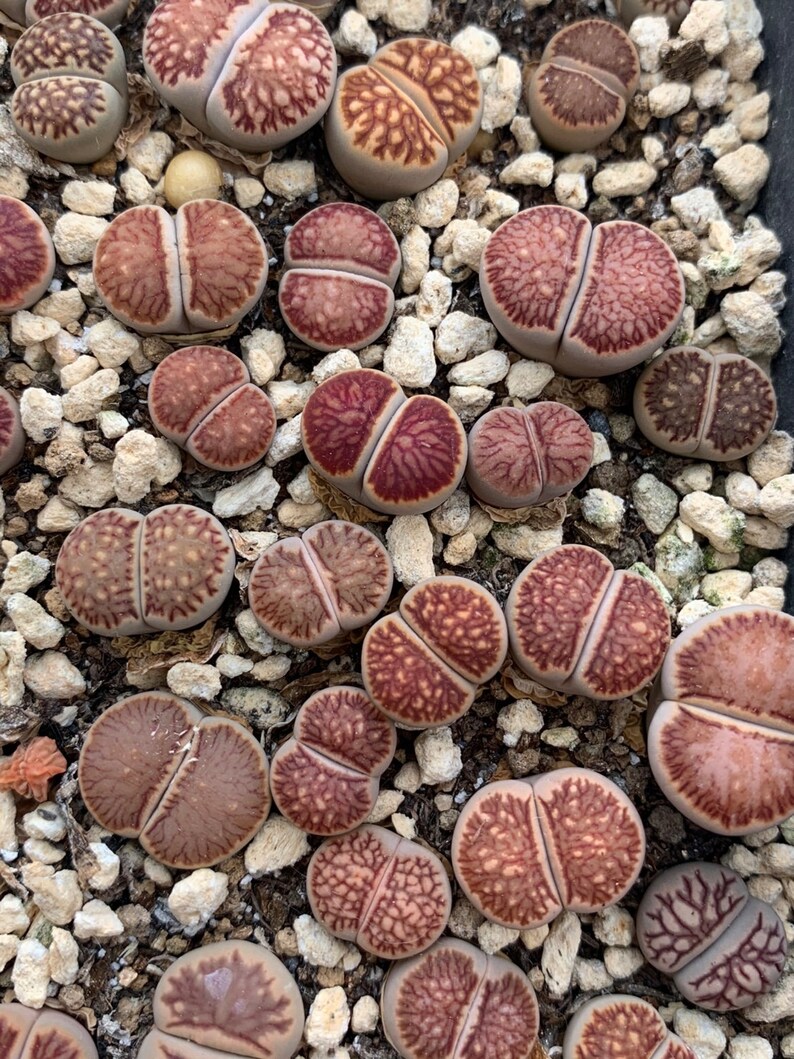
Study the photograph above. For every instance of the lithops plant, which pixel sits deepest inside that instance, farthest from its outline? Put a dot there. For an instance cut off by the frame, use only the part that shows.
(12, 434)
(523, 850)
(675, 11)
(341, 263)
(396, 124)
(618, 1025)
(202, 398)
(524, 456)
(198, 272)
(396, 455)
(325, 777)
(691, 402)
(71, 96)
(109, 12)
(251, 74)
(423, 665)
(581, 627)
(721, 722)
(121, 573)
(698, 923)
(28, 1034)
(590, 301)
(453, 1001)
(578, 94)
(389, 895)
(27, 256)
(307, 590)
(233, 997)
(151, 760)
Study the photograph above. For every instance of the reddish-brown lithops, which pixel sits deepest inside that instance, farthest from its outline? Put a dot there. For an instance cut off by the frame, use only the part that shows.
(723, 948)
(109, 12)
(200, 271)
(389, 895)
(422, 666)
(394, 455)
(524, 456)
(202, 398)
(395, 125)
(721, 728)
(325, 777)
(121, 573)
(453, 1001)
(227, 997)
(306, 590)
(691, 402)
(581, 627)
(341, 263)
(251, 74)
(525, 849)
(591, 301)
(151, 760)
(675, 11)
(12, 434)
(27, 256)
(29, 1034)
(617, 1026)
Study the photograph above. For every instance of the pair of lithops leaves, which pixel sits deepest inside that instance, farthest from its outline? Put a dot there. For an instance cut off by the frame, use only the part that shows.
(29, 1034)
(27, 256)
(110, 12)
(620, 1025)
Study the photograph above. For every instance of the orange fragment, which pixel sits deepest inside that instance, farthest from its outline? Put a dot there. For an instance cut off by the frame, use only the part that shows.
(30, 767)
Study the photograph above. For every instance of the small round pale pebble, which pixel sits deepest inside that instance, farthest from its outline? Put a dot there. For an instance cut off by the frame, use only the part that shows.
(478, 45)
(409, 778)
(522, 542)
(288, 397)
(533, 169)
(564, 738)
(51, 675)
(461, 549)
(65, 306)
(137, 189)
(648, 34)
(570, 189)
(559, 952)
(112, 424)
(624, 178)
(715, 519)
(194, 899)
(97, 920)
(272, 668)
(721, 139)
(12, 661)
(464, 920)
(492, 937)
(622, 962)
(56, 893)
(467, 248)
(696, 477)
(706, 22)
(742, 56)
(410, 544)
(517, 718)
(502, 93)
(387, 803)
(27, 328)
(278, 844)
(776, 500)
(151, 154)
(24, 571)
(81, 369)
(655, 502)
(452, 516)
(86, 399)
(13, 179)
(494, 207)
(766, 596)
(435, 206)
(668, 98)
(75, 237)
(334, 363)
(13, 917)
(258, 490)
(354, 35)
(699, 1031)
(415, 250)
(748, 1046)
(773, 459)
(233, 665)
(300, 488)
(94, 198)
(328, 1019)
(409, 357)
(434, 298)
(157, 872)
(108, 866)
(263, 354)
(469, 401)
(743, 172)
(770, 573)
(692, 612)
(524, 133)
(193, 680)
(248, 192)
(409, 16)
(364, 1018)
(742, 492)
(255, 637)
(710, 88)
(192, 175)
(741, 860)
(45, 822)
(301, 516)
(111, 343)
(290, 180)
(601, 450)
(58, 516)
(526, 379)
(696, 209)
(726, 587)
(603, 509)
(591, 975)
(438, 758)
(41, 413)
(30, 619)
(751, 117)
(761, 533)
(64, 957)
(484, 369)
(405, 826)
(320, 948)
(30, 974)
(141, 462)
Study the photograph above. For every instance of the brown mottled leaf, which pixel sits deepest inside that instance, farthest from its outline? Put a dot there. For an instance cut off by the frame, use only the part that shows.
(519, 686)
(537, 517)
(9, 881)
(634, 736)
(164, 650)
(83, 859)
(601, 538)
(578, 393)
(297, 691)
(502, 770)
(342, 505)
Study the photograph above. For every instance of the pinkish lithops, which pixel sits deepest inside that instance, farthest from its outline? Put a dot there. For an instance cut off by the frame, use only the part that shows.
(590, 301)
(452, 1001)
(341, 263)
(581, 627)
(423, 665)
(307, 590)
(29, 1034)
(389, 895)
(578, 94)
(395, 455)
(121, 573)
(712, 407)
(721, 723)
(109, 12)
(12, 434)
(150, 760)
(71, 96)
(396, 124)
(617, 1026)
(325, 777)
(202, 398)
(524, 456)
(229, 997)
(523, 850)
(198, 272)
(723, 948)
(675, 11)
(27, 256)
(252, 74)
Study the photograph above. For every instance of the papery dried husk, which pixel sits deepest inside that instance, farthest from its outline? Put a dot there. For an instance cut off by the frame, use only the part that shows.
(519, 686)
(578, 393)
(167, 648)
(297, 691)
(189, 136)
(143, 110)
(536, 516)
(342, 505)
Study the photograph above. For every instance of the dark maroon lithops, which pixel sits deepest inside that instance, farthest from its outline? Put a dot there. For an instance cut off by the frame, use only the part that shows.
(453, 1001)
(422, 666)
(675, 11)
(389, 895)
(29, 1034)
(27, 256)
(325, 777)
(581, 627)
(590, 301)
(12, 434)
(691, 402)
(617, 1026)
(724, 948)
(524, 456)
(202, 398)
(334, 579)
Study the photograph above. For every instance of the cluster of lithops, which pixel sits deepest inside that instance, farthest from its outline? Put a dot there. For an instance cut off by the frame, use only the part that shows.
(396, 455)
(524, 850)
(422, 666)
(723, 948)
(26, 1033)
(617, 1025)
(121, 573)
(590, 301)
(251, 74)
(673, 10)
(692, 402)
(110, 12)
(12, 434)
(27, 256)
(396, 124)
(202, 398)
(192, 789)
(453, 1001)
(307, 590)
(341, 262)
(71, 96)
(721, 724)
(325, 777)
(581, 627)
(227, 998)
